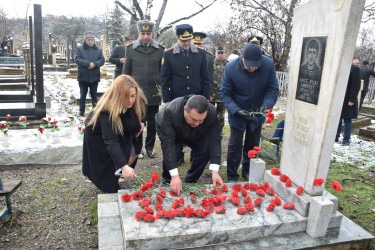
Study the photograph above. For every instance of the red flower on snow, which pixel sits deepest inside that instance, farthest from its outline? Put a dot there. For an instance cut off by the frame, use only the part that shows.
(140, 215)
(318, 182)
(41, 129)
(288, 183)
(283, 178)
(257, 201)
(289, 206)
(221, 210)
(126, 198)
(270, 207)
(252, 153)
(242, 211)
(154, 176)
(275, 171)
(137, 196)
(149, 218)
(336, 186)
(299, 190)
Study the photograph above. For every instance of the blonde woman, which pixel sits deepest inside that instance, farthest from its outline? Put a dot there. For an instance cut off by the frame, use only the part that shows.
(110, 129)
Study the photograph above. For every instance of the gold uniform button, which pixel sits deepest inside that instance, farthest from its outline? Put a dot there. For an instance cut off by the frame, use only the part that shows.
(188, 87)
(188, 77)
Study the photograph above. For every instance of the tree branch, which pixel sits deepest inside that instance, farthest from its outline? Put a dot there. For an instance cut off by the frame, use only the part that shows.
(131, 13)
(160, 17)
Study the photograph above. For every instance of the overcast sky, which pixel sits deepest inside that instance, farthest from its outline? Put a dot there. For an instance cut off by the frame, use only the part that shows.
(218, 12)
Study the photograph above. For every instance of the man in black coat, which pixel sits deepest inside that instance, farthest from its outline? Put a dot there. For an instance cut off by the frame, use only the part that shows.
(366, 72)
(119, 54)
(189, 120)
(89, 59)
(350, 105)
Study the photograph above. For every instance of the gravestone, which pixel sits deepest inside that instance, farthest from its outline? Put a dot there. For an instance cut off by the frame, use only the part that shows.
(323, 42)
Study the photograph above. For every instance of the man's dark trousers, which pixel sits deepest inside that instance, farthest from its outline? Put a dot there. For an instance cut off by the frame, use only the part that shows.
(83, 88)
(200, 160)
(235, 148)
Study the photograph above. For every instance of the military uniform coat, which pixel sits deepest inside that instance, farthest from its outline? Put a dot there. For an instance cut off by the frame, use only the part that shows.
(143, 64)
(219, 67)
(181, 75)
(210, 63)
(351, 94)
(118, 53)
(105, 151)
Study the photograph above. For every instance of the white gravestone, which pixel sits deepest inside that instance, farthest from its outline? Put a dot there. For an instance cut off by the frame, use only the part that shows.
(323, 42)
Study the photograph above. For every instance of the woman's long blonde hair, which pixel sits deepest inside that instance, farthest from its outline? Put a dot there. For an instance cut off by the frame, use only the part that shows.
(116, 101)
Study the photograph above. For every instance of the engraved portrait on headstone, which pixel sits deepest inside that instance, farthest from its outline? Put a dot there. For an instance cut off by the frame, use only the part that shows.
(310, 71)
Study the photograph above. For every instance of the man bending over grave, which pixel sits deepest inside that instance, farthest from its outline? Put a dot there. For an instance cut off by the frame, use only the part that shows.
(189, 120)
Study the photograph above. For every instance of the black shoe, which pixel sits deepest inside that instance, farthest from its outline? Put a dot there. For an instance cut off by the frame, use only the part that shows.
(346, 143)
(337, 140)
(150, 153)
(81, 113)
(180, 161)
(165, 181)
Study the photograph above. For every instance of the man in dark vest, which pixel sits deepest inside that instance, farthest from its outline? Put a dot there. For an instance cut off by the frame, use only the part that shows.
(143, 62)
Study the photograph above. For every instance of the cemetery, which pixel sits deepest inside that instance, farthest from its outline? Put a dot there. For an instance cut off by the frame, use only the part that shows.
(305, 191)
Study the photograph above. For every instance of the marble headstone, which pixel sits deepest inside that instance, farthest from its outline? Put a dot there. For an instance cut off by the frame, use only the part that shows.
(323, 42)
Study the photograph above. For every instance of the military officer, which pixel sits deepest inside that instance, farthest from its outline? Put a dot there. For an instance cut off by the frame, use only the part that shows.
(184, 69)
(118, 55)
(258, 41)
(143, 62)
(198, 41)
(219, 66)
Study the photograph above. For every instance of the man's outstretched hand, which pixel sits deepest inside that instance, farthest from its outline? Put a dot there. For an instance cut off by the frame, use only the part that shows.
(216, 180)
(176, 184)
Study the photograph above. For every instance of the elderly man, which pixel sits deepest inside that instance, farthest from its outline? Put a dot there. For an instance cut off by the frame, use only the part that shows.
(89, 59)
(118, 55)
(143, 62)
(249, 84)
(189, 120)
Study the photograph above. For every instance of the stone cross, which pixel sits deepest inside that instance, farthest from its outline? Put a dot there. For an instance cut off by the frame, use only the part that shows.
(323, 42)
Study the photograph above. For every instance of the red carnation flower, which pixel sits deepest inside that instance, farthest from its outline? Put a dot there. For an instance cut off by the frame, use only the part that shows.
(262, 187)
(162, 193)
(189, 211)
(258, 149)
(140, 215)
(266, 185)
(160, 214)
(242, 211)
(284, 178)
(276, 200)
(169, 215)
(336, 186)
(149, 218)
(270, 191)
(252, 153)
(275, 171)
(126, 198)
(260, 192)
(214, 192)
(199, 213)
(143, 203)
(224, 188)
(288, 183)
(173, 194)
(247, 200)
(180, 212)
(249, 207)
(204, 191)
(246, 186)
(137, 196)
(158, 207)
(299, 190)
(257, 201)
(8, 116)
(253, 187)
(270, 116)
(318, 182)
(270, 207)
(149, 210)
(154, 176)
(237, 187)
(22, 118)
(289, 206)
(244, 192)
(159, 200)
(41, 129)
(235, 193)
(221, 210)
(234, 200)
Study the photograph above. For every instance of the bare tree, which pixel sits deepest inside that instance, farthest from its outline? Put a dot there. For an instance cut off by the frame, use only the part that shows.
(366, 48)
(134, 9)
(270, 19)
(369, 12)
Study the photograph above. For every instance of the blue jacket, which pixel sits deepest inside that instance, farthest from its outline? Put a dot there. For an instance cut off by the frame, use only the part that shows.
(241, 89)
(84, 56)
(181, 76)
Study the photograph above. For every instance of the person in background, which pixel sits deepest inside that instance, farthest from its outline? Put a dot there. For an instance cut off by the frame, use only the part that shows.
(189, 120)
(219, 65)
(143, 62)
(3, 45)
(110, 129)
(249, 84)
(235, 54)
(350, 105)
(198, 40)
(258, 41)
(119, 54)
(366, 72)
(89, 59)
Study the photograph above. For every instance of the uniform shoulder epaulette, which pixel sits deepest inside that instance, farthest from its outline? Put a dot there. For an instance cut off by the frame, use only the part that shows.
(129, 44)
(169, 49)
(162, 45)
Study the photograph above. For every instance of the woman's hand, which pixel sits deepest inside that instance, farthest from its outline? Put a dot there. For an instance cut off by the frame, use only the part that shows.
(128, 172)
(140, 131)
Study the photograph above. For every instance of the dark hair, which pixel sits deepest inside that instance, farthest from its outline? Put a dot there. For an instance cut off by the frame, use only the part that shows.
(365, 62)
(313, 44)
(235, 51)
(197, 102)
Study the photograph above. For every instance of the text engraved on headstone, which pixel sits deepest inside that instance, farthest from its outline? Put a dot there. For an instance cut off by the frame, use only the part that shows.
(310, 71)
(302, 130)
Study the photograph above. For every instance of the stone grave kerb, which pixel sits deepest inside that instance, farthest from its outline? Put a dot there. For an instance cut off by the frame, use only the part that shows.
(315, 96)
